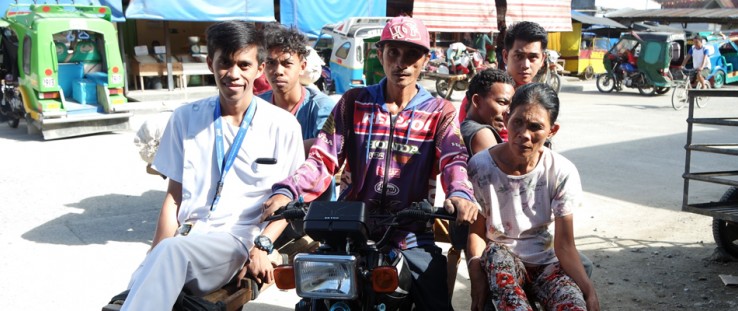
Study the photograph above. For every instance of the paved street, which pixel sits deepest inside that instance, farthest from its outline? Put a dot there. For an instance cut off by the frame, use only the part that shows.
(78, 214)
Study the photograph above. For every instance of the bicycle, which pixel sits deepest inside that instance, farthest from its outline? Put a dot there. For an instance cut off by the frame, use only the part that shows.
(683, 85)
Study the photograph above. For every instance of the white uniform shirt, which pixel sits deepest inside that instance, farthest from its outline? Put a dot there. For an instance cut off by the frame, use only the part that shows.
(520, 209)
(187, 155)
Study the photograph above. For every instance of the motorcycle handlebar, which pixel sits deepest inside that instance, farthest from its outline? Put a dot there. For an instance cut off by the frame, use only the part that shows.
(292, 211)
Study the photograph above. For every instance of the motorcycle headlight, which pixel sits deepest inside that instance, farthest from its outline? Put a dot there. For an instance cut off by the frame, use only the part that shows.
(325, 277)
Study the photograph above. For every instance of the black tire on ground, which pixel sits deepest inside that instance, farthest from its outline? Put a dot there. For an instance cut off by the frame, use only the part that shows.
(443, 89)
(605, 83)
(554, 81)
(662, 90)
(725, 232)
(13, 122)
(588, 73)
(718, 79)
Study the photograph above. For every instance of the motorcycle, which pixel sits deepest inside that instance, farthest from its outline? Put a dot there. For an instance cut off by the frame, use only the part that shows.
(551, 74)
(618, 77)
(11, 105)
(349, 271)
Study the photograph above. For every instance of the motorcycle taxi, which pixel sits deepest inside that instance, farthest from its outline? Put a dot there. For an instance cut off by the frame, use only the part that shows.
(653, 55)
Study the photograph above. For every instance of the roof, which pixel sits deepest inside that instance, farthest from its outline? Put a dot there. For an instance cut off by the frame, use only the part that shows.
(592, 20)
(716, 16)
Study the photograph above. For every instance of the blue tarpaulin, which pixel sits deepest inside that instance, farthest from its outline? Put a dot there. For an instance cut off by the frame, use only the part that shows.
(201, 10)
(116, 6)
(309, 16)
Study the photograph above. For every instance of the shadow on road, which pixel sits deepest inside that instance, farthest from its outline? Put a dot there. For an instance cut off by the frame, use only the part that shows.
(648, 171)
(640, 274)
(112, 217)
(18, 134)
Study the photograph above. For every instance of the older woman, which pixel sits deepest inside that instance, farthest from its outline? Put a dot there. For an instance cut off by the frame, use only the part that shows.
(524, 187)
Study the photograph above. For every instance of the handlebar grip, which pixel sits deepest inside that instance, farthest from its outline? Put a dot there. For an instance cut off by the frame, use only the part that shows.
(292, 211)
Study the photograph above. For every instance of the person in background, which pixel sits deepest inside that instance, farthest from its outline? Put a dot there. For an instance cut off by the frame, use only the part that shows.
(700, 55)
(220, 157)
(394, 138)
(524, 188)
(481, 43)
(286, 62)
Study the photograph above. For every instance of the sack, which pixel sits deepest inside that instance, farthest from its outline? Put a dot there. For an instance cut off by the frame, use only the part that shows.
(148, 136)
(185, 302)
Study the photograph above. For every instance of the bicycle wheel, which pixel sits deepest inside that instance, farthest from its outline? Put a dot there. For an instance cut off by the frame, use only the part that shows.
(702, 101)
(679, 97)
(605, 83)
(554, 81)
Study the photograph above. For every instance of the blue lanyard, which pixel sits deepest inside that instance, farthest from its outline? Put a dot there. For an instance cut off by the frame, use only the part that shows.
(225, 166)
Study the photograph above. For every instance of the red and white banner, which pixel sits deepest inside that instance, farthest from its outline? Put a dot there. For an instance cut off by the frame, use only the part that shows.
(553, 15)
(456, 16)
(481, 15)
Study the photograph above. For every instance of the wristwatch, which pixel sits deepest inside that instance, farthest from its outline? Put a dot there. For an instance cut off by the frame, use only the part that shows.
(264, 243)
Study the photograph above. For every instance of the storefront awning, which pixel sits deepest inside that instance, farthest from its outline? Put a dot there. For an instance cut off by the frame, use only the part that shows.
(309, 16)
(456, 16)
(116, 6)
(553, 15)
(595, 21)
(201, 10)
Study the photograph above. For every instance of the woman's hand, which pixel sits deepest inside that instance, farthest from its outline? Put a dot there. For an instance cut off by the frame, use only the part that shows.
(479, 286)
(593, 302)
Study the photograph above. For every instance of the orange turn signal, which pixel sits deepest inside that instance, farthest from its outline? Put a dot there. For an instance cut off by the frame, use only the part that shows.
(385, 279)
(284, 276)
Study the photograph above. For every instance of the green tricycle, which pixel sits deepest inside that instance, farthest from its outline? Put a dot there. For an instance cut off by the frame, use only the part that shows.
(61, 70)
(643, 60)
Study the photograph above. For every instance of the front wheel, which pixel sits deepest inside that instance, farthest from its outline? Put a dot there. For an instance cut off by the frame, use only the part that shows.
(605, 83)
(662, 90)
(588, 73)
(554, 81)
(679, 97)
(443, 89)
(725, 232)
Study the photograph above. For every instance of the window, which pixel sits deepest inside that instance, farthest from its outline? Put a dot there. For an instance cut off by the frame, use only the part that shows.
(27, 55)
(653, 52)
(359, 55)
(343, 51)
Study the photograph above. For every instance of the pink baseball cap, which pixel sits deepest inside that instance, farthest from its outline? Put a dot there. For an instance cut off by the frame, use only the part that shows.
(406, 29)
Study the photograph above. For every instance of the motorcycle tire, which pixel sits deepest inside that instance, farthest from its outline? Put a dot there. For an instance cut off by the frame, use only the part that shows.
(588, 73)
(646, 89)
(725, 232)
(13, 122)
(605, 83)
(662, 90)
(443, 89)
(554, 81)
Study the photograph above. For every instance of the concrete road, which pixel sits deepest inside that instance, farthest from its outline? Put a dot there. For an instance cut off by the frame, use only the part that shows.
(77, 215)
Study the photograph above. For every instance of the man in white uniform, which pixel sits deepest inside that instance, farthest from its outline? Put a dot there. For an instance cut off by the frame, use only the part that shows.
(221, 155)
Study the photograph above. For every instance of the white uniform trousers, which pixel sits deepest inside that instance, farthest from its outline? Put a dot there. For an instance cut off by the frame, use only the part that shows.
(201, 263)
